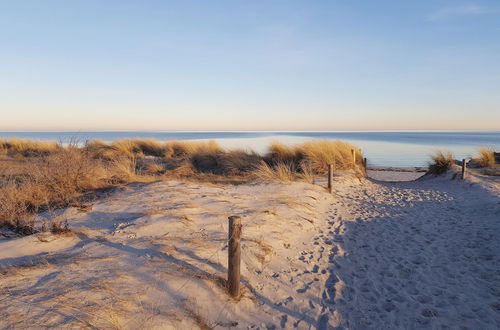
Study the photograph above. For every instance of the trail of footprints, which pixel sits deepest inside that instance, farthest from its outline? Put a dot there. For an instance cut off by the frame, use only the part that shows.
(394, 266)
(316, 280)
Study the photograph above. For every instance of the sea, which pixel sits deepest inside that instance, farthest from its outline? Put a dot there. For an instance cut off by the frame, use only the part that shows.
(381, 148)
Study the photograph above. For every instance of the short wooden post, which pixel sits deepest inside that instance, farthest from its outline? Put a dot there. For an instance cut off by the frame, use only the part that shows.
(364, 163)
(330, 178)
(353, 153)
(464, 166)
(234, 256)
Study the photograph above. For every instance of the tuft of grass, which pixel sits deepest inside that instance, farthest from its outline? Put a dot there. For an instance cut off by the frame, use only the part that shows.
(125, 147)
(486, 157)
(150, 147)
(235, 162)
(149, 167)
(315, 155)
(441, 162)
(281, 172)
(280, 153)
(185, 149)
(319, 154)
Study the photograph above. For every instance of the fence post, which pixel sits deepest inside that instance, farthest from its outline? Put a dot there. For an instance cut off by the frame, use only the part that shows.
(234, 256)
(353, 153)
(464, 166)
(330, 178)
(364, 163)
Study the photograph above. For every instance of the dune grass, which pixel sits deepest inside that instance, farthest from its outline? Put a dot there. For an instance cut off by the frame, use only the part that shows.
(441, 162)
(315, 155)
(51, 175)
(27, 148)
(55, 180)
(486, 157)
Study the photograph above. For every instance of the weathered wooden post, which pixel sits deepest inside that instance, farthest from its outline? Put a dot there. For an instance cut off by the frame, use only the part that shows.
(330, 178)
(353, 153)
(234, 256)
(464, 167)
(364, 163)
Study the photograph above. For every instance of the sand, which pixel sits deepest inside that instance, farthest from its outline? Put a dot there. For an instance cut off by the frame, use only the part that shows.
(373, 255)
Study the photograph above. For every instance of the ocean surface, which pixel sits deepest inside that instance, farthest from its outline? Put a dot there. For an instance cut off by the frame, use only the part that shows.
(382, 148)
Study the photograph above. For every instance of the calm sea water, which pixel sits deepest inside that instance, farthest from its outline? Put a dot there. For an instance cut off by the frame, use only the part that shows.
(403, 149)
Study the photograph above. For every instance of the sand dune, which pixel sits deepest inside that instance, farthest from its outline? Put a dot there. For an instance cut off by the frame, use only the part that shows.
(392, 255)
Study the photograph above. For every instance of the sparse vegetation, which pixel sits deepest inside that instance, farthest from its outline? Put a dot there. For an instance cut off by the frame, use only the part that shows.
(37, 176)
(441, 162)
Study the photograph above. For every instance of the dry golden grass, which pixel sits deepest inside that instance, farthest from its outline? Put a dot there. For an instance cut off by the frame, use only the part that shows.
(150, 147)
(486, 157)
(280, 153)
(37, 176)
(176, 149)
(27, 147)
(315, 155)
(235, 162)
(282, 172)
(319, 154)
(57, 179)
(441, 162)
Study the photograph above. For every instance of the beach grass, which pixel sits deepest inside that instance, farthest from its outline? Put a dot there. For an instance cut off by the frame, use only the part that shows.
(486, 157)
(41, 176)
(441, 162)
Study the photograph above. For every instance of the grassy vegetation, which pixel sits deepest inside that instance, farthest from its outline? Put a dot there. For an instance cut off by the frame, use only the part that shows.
(486, 158)
(27, 148)
(315, 155)
(441, 162)
(38, 176)
(53, 180)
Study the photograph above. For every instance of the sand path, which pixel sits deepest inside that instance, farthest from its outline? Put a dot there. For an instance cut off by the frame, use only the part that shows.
(405, 255)
(376, 255)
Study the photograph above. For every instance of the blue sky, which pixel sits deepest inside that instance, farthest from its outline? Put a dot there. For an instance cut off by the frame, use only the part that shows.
(249, 65)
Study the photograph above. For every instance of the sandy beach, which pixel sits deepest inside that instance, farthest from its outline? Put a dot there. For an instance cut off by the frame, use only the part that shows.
(326, 165)
(373, 255)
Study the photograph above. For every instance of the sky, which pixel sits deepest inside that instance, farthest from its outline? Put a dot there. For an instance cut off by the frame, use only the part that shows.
(249, 65)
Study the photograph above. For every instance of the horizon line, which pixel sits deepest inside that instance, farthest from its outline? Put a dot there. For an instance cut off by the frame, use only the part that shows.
(251, 131)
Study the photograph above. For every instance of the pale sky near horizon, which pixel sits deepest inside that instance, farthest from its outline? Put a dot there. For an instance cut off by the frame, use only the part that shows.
(249, 65)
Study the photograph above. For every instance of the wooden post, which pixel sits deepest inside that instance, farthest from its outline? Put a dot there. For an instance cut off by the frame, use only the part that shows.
(330, 178)
(464, 166)
(364, 162)
(353, 153)
(234, 256)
